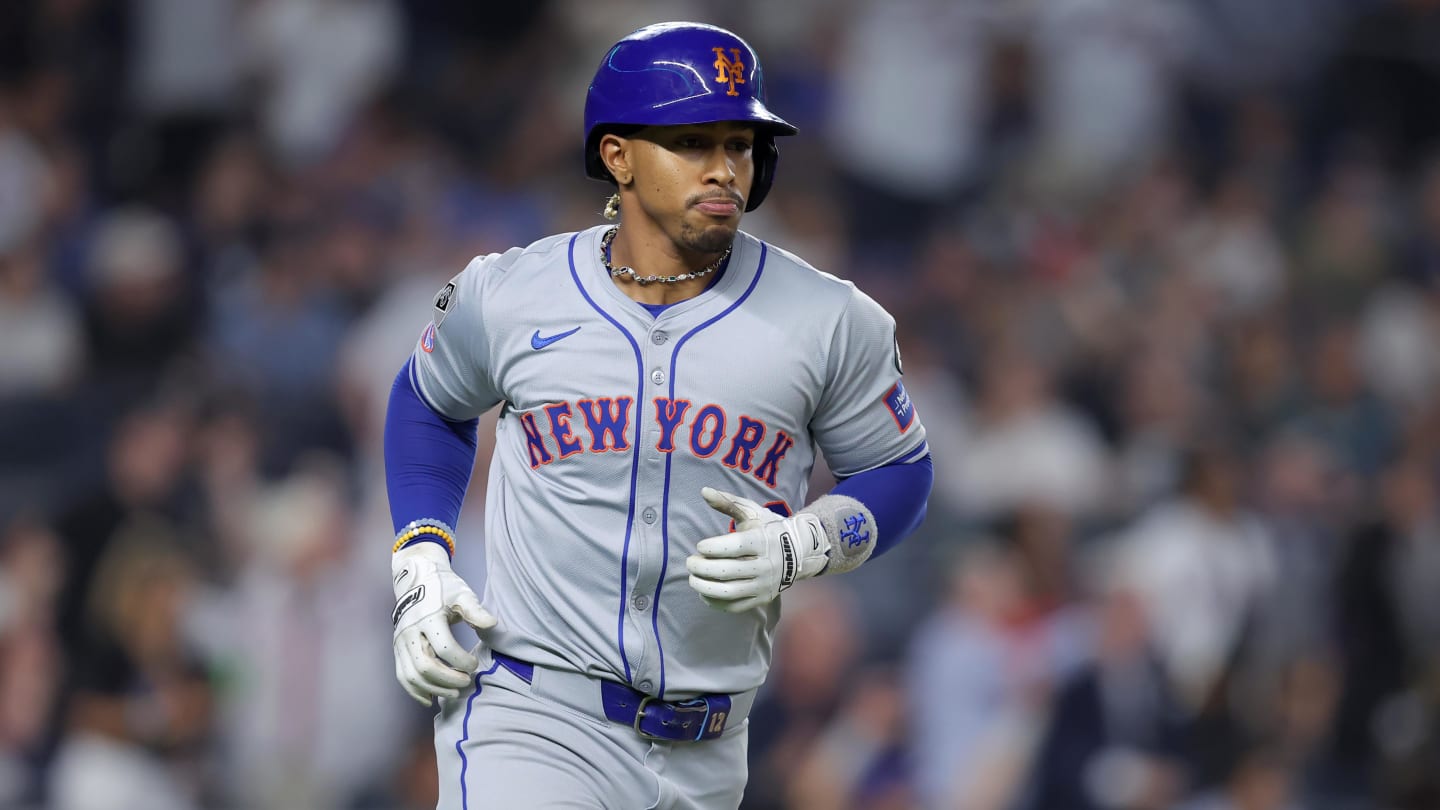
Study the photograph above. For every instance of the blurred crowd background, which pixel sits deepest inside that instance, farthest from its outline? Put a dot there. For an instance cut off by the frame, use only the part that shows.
(1167, 274)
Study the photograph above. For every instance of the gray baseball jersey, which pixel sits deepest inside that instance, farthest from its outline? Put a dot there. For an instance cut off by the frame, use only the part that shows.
(613, 419)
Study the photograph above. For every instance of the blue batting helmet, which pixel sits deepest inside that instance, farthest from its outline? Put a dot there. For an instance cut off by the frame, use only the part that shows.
(682, 73)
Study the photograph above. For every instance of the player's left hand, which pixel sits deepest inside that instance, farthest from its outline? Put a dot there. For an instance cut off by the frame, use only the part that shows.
(765, 554)
(429, 596)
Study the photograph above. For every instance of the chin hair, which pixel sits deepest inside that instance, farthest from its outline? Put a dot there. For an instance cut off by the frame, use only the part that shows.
(707, 240)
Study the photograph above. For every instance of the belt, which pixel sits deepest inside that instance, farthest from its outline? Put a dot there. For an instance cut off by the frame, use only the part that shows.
(702, 718)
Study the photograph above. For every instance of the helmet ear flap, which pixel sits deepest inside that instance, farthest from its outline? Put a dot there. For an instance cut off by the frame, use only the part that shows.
(594, 167)
(767, 155)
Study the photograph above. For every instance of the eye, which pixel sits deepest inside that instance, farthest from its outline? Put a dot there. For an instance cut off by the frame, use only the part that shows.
(690, 142)
(741, 146)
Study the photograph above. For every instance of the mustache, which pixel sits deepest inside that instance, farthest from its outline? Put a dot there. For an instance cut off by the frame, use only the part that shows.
(722, 196)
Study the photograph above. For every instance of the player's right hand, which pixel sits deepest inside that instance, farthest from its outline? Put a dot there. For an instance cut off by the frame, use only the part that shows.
(429, 597)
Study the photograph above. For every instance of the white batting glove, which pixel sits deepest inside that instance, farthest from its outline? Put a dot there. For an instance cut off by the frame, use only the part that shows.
(429, 597)
(765, 554)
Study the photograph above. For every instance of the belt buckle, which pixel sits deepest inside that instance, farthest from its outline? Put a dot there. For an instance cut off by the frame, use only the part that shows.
(640, 715)
(699, 705)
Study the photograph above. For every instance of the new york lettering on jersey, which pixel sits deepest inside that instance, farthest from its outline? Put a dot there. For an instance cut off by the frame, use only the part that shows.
(702, 431)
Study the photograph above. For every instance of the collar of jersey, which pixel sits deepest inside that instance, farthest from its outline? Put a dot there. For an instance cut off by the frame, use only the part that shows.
(738, 275)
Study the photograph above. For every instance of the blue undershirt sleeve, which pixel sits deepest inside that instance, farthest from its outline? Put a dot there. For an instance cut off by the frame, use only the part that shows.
(428, 458)
(896, 494)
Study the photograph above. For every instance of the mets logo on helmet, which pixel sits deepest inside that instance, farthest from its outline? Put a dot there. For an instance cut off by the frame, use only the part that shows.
(729, 70)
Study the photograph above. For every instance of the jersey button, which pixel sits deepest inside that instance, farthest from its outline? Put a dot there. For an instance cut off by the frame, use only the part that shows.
(659, 338)
(657, 376)
(648, 515)
(640, 602)
(645, 686)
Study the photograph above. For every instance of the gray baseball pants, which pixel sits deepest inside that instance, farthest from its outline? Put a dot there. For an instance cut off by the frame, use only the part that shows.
(505, 745)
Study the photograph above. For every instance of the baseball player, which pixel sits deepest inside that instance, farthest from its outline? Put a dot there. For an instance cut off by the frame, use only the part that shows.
(665, 384)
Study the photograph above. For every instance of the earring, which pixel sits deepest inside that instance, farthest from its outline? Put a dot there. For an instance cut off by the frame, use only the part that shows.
(612, 207)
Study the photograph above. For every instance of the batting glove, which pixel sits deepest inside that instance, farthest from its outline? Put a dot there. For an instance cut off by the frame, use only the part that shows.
(765, 554)
(429, 597)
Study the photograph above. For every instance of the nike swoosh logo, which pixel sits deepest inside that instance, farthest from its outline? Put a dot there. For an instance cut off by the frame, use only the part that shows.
(537, 342)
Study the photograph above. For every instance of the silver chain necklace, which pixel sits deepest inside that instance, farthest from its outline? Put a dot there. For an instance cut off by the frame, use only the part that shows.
(619, 272)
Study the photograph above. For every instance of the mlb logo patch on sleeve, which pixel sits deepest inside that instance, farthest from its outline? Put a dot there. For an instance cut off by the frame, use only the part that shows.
(897, 399)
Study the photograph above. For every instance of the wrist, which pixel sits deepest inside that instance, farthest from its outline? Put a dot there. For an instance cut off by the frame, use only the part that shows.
(849, 527)
(812, 546)
(424, 540)
(425, 530)
(428, 552)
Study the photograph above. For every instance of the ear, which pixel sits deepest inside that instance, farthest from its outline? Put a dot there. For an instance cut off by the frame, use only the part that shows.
(615, 154)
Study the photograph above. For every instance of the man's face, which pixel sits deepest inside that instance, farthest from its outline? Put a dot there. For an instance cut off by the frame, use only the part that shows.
(693, 180)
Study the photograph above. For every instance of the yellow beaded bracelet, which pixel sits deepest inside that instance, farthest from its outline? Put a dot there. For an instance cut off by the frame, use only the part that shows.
(410, 534)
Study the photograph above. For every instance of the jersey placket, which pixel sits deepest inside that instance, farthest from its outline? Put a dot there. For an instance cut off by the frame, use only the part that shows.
(652, 561)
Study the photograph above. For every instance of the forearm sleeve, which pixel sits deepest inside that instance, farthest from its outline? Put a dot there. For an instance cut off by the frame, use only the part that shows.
(428, 458)
(896, 495)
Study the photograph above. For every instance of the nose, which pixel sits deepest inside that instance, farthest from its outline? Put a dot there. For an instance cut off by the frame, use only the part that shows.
(720, 168)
